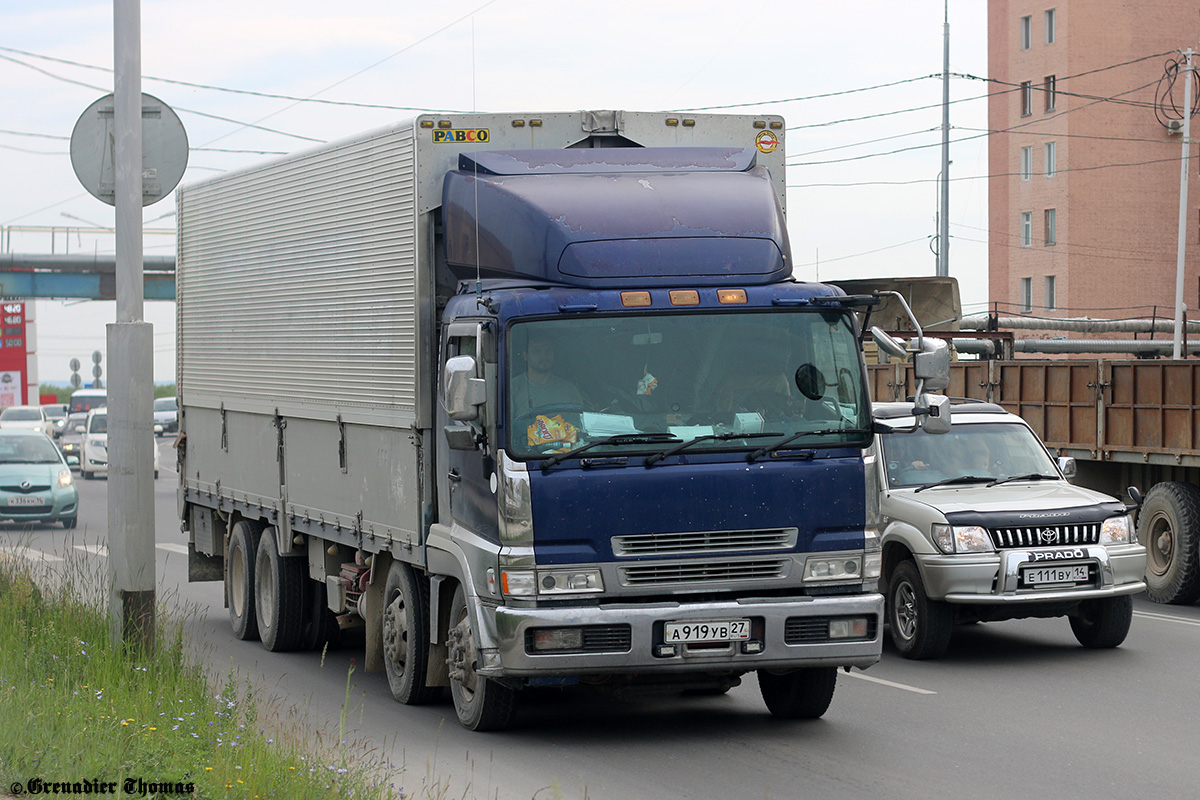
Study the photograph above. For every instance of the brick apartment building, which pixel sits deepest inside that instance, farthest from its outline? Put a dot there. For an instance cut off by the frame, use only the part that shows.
(1084, 198)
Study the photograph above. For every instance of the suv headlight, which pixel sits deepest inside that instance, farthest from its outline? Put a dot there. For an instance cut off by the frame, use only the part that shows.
(961, 538)
(1117, 530)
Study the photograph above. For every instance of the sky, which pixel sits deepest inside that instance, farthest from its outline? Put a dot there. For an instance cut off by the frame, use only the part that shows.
(858, 85)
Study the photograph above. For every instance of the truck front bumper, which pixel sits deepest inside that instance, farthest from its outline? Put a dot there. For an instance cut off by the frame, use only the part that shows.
(995, 578)
(788, 633)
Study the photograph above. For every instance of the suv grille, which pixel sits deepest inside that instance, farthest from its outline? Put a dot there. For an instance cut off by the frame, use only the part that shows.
(1045, 535)
(700, 542)
(669, 572)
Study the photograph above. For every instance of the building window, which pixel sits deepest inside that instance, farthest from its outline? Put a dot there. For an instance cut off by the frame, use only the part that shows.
(1026, 33)
(1049, 85)
(1051, 226)
(1026, 163)
(1051, 300)
(1051, 159)
(1026, 295)
(1026, 98)
(1050, 31)
(1026, 228)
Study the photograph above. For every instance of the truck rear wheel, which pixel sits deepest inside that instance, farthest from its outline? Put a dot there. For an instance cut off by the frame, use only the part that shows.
(1169, 527)
(278, 595)
(481, 704)
(1103, 623)
(405, 629)
(320, 629)
(920, 627)
(239, 579)
(799, 694)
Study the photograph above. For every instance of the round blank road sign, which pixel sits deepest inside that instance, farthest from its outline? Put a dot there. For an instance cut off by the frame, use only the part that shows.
(164, 150)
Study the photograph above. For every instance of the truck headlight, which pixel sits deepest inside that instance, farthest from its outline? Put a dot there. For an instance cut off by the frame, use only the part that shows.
(527, 582)
(872, 554)
(1117, 530)
(962, 538)
(833, 568)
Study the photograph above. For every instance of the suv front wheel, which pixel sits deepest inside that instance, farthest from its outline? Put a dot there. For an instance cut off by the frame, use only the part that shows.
(920, 627)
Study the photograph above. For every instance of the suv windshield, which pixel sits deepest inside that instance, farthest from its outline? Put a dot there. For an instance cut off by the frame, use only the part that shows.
(987, 451)
(701, 377)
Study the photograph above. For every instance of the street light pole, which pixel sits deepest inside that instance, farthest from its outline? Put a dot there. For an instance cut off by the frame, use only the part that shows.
(130, 357)
(1177, 349)
(943, 262)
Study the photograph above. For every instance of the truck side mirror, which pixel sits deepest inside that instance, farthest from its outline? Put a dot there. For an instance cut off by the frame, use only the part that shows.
(461, 437)
(465, 393)
(931, 364)
(933, 412)
(888, 343)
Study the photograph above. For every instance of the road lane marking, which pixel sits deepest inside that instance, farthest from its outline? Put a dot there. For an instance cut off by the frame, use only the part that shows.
(1167, 618)
(171, 547)
(94, 549)
(863, 677)
(29, 555)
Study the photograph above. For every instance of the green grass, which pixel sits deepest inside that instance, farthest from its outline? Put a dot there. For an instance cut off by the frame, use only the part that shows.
(75, 707)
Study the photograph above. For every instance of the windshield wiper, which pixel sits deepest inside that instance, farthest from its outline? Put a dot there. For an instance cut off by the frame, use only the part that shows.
(762, 451)
(954, 480)
(1033, 476)
(708, 437)
(620, 438)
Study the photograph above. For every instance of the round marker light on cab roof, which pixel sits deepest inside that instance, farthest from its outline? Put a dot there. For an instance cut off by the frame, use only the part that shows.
(671, 121)
(758, 123)
(426, 123)
(535, 123)
(518, 123)
(635, 299)
(685, 297)
(689, 123)
(731, 296)
(445, 123)
(776, 125)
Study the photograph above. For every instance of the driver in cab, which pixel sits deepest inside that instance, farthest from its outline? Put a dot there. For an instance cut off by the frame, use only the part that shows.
(539, 386)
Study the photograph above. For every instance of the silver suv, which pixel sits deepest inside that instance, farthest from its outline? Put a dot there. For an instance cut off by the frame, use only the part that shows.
(980, 524)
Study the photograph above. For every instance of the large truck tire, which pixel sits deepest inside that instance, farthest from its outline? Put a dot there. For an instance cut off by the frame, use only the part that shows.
(1169, 527)
(239, 579)
(1104, 622)
(405, 628)
(920, 627)
(799, 694)
(278, 595)
(481, 704)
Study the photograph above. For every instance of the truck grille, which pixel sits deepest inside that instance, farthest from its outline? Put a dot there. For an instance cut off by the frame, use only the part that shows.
(1045, 535)
(700, 542)
(806, 630)
(708, 572)
(596, 639)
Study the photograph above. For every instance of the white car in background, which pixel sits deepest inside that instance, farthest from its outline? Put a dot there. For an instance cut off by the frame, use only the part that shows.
(27, 418)
(93, 457)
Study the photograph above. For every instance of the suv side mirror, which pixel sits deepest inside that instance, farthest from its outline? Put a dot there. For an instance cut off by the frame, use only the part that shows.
(465, 393)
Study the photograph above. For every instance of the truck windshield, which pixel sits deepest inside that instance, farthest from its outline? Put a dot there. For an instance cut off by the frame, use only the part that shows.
(707, 376)
(984, 451)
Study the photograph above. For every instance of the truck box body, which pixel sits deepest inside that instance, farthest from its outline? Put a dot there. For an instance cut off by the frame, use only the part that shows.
(359, 324)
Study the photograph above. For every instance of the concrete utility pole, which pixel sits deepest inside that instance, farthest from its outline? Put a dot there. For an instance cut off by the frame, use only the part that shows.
(943, 263)
(130, 354)
(1177, 350)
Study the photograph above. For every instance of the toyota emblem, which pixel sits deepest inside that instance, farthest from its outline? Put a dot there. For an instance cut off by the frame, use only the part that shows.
(1048, 535)
(25, 485)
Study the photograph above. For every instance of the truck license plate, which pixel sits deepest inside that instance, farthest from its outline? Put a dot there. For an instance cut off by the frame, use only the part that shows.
(1065, 573)
(727, 630)
(25, 500)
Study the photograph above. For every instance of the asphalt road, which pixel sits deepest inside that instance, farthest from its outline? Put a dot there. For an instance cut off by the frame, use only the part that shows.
(1015, 709)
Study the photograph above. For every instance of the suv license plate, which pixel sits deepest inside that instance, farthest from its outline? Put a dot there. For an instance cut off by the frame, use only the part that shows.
(25, 500)
(728, 630)
(1040, 576)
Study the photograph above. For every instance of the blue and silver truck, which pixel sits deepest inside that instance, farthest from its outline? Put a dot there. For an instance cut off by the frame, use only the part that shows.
(536, 400)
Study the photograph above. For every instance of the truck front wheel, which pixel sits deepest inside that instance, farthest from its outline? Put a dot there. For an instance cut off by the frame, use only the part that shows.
(278, 595)
(799, 694)
(239, 579)
(481, 704)
(920, 627)
(1169, 527)
(405, 629)
(1103, 623)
